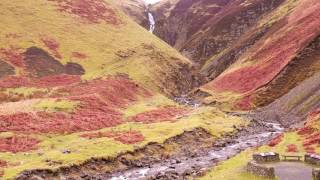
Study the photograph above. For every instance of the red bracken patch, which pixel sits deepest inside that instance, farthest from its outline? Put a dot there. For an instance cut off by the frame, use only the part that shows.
(52, 45)
(93, 116)
(126, 137)
(245, 103)
(306, 130)
(3, 163)
(292, 148)
(159, 115)
(92, 11)
(13, 55)
(310, 134)
(45, 82)
(315, 113)
(55, 80)
(309, 149)
(79, 55)
(18, 144)
(100, 104)
(275, 141)
(312, 139)
(246, 79)
(13, 82)
(115, 91)
(130, 137)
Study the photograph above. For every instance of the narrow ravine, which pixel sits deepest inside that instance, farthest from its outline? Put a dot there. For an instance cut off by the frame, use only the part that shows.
(198, 163)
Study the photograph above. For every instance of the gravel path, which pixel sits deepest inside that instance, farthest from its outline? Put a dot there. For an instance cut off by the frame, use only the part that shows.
(293, 171)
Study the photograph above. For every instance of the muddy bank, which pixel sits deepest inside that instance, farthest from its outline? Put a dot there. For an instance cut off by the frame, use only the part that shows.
(187, 155)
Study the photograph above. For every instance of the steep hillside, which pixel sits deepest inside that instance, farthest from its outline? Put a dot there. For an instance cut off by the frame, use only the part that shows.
(80, 80)
(201, 29)
(251, 52)
(99, 52)
(278, 61)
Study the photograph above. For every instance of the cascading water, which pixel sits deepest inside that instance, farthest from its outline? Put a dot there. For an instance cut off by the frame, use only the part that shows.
(151, 22)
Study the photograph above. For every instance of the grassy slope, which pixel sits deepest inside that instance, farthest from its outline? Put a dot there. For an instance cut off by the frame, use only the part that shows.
(142, 56)
(99, 42)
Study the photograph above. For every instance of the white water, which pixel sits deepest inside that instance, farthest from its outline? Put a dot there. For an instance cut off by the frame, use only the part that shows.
(152, 22)
(151, 1)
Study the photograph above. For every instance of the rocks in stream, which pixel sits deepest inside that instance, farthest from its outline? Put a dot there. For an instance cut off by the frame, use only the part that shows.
(166, 176)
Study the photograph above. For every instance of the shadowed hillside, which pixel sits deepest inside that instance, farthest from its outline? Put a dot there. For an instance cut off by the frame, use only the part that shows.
(277, 62)
(252, 52)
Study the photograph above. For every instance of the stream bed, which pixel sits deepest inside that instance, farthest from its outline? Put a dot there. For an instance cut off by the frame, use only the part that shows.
(202, 161)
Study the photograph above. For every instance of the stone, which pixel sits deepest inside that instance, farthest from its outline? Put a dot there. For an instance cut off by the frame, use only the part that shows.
(260, 169)
(316, 174)
(266, 157)
(66, 151)
(313, 159)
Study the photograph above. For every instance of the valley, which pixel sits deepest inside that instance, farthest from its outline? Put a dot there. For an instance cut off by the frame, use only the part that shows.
(87, 92)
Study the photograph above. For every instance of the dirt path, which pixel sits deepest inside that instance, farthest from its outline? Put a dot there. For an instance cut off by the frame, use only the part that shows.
(293, 171)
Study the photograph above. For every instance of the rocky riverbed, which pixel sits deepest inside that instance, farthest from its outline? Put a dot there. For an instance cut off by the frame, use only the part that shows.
(195, 164)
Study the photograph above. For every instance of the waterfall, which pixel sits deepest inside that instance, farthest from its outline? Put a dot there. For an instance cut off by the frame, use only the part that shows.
(151, 22)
